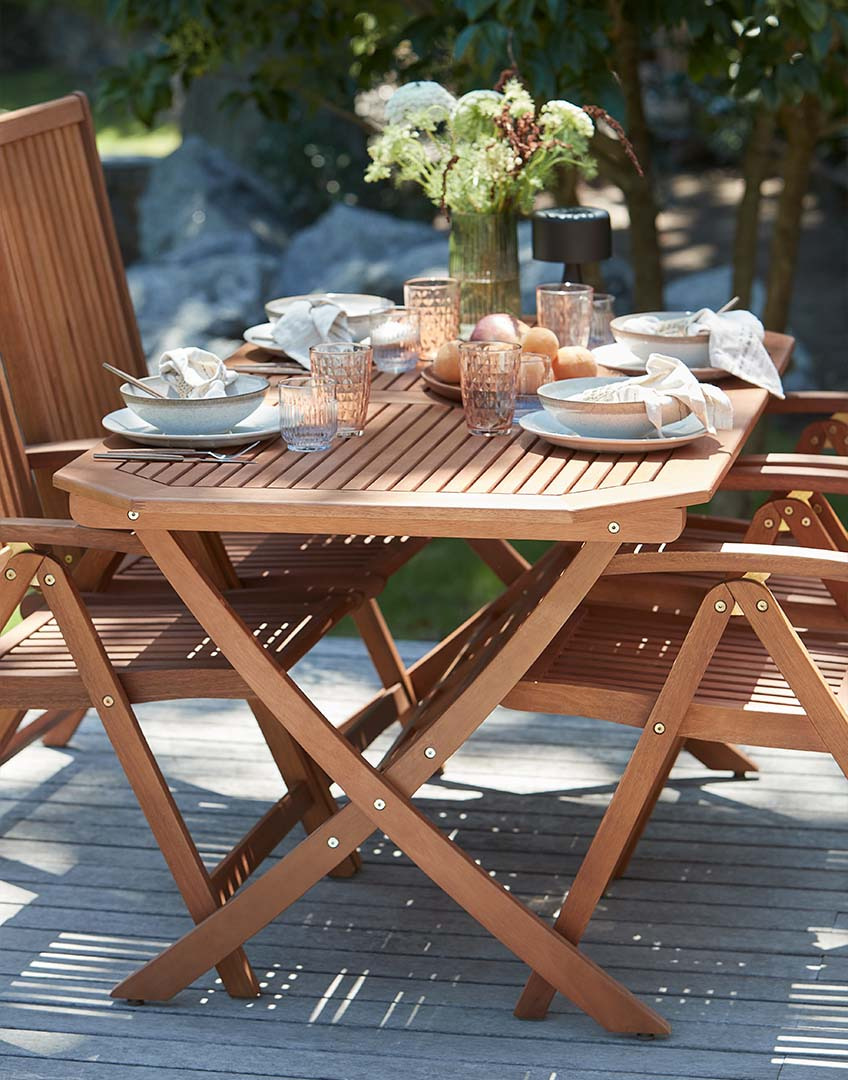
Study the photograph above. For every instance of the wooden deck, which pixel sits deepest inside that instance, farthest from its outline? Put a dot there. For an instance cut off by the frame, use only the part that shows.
(733, 918)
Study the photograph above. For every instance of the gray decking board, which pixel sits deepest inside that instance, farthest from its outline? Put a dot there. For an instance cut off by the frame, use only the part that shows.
(732, 919)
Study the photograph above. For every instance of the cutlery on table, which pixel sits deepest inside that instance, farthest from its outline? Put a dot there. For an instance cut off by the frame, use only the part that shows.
(137, 383)
(175, 454)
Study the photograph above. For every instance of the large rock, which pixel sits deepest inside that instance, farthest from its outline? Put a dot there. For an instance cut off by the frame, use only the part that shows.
(204, 295)
(196, 192)
(350, 249)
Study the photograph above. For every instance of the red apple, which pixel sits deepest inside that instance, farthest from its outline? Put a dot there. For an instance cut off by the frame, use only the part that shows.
(499, 327)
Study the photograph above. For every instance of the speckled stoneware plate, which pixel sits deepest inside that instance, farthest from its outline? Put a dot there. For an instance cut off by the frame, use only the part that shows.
(545, 427)
(261, 424)
(260, 337)
(618, 357)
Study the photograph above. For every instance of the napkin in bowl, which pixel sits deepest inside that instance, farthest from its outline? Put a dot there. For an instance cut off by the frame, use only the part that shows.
(195, 373)
(309, 322)
(736, 342)
(666, 377)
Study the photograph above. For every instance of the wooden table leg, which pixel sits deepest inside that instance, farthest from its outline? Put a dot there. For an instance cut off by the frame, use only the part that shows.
(382, 801)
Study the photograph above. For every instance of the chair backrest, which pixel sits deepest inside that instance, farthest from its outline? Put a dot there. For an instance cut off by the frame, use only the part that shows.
(18, 497)
(64, 303)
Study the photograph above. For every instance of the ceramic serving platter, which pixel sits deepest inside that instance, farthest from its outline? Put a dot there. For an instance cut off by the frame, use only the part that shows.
(261, 424)
(618, 357)
(448, 390)
(683, 431)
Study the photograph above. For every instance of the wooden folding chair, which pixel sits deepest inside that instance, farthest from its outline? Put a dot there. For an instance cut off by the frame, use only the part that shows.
(72, 652)
(64, 309)
(738, 670)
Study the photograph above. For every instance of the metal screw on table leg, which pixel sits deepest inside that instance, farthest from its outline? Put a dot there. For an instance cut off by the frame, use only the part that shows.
(789, 511)
(132, 515)
(614, 527)
(817, 507)
(49, 579)
(805, 521)
(429, 752)
(11, 574)
(762, 605)
(379, 804)
(815, 440)
(659, 728)
(769, 523)
(721, 605)
(108, 701)
(69, 559)
(332, 841)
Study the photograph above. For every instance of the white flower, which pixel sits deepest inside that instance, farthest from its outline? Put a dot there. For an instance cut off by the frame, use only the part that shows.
(474, 113)
(418, 97)
(558, 114)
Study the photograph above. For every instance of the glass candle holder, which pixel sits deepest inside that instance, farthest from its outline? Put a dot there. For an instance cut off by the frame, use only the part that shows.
(602, 316)
(534, 370)
(348, 364)
(395, 338)
(437, 302)
(309, 416)
(489, 382)
(566, 308)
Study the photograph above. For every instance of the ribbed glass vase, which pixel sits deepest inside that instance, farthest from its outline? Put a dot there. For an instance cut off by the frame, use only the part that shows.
(484, 257)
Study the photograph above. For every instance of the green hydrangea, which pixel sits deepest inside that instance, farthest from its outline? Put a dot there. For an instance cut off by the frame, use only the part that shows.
(487, 152)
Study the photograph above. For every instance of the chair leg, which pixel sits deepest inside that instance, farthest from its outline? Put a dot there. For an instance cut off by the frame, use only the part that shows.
(641, 781)
(381, 647)
(296, 767)
(645, 814)
(721, 757)
(62, 730)
(142, 771)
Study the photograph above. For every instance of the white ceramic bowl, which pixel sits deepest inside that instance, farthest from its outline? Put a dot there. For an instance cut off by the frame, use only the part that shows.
(356, 306)
(601, 419)
(693, 350)
(196, 416)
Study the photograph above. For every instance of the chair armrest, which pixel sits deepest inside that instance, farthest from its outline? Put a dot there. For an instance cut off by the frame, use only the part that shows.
(736, 558)
(48, 532)
(56, 454)
(824, 473)
(823, 402)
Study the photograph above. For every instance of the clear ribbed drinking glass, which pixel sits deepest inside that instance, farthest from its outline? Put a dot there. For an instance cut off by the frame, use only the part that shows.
(489, 382)
(437, 303)
(602, 316)
(534, 370)
(348, 364)
(566, 308)
(308, 413)
(395, 339)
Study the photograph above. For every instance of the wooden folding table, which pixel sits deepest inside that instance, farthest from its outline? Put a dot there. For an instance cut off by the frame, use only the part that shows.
(415, 471)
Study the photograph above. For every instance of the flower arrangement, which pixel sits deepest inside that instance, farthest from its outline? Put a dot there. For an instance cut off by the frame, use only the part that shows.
(490, 151)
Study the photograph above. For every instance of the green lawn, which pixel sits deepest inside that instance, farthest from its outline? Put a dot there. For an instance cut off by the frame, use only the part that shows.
(117, 132)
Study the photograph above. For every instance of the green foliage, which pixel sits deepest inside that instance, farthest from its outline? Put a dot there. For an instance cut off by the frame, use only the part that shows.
(773, 51)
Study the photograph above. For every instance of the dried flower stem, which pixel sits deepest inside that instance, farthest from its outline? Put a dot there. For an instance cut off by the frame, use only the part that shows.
(597, 113)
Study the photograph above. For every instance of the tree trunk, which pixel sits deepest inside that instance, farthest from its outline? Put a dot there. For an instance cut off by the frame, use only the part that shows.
(803, 126)
(638, 191)
(755, 166)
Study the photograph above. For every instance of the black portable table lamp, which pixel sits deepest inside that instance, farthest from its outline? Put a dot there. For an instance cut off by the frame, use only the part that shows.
(572, 235)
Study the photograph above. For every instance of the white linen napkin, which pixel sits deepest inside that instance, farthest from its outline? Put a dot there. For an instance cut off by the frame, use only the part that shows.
(194, 373)
(736, 342)
(309, 322)
(665, 378)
